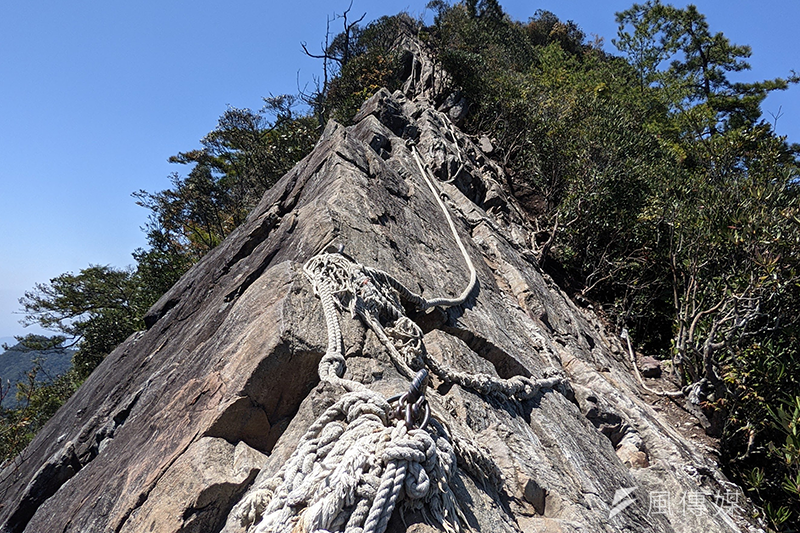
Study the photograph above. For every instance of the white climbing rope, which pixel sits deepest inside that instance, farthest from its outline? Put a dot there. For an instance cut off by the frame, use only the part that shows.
(452, 131)
(376, 297)
(672, 394)
(349, 470)
(473, 275)
(356, 462)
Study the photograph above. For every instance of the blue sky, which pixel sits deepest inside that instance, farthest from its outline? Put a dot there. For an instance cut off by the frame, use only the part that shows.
(96, 95)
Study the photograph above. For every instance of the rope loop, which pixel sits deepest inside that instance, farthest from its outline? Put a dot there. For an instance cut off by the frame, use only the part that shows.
(350, 470)
(363, 455)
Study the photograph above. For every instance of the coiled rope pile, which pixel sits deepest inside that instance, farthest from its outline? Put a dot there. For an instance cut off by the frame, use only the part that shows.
(359, 458)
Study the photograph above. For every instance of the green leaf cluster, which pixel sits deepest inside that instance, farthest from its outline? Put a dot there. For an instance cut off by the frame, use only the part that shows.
(372, 62)
(37, 397)
(101, 306)
(244, 156)
(659, 194)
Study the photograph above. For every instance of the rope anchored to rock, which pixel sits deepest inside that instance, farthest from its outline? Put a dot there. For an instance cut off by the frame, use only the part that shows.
(351, 468)
(376, 297)
(366, 453)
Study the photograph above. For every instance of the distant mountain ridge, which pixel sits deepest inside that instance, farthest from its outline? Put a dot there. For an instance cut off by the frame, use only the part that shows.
(17, 361)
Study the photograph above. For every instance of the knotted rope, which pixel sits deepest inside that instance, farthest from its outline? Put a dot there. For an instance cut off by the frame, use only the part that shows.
(356, 462)
(349, 470)
(375, 296)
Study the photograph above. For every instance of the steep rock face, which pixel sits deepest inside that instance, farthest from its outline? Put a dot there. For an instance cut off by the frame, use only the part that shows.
(176, 424)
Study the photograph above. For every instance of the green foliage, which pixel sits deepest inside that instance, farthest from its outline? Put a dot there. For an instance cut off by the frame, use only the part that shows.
(545, 28)
(372, 62)
(360, 79)
(97, 309)
(696, 83)
(659, 193)
(38, 398)
(243, 157)
(16, 361)
(731, 249)
(786, 419)
(759, 377)
(777, 515)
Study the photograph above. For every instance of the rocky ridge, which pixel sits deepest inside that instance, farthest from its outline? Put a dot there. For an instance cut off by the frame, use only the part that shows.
(180, 421)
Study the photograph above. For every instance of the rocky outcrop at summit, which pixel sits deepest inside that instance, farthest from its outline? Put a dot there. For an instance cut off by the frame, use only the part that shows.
(179, 422)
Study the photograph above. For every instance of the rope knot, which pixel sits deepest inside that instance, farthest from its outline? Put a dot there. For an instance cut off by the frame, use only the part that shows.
(413, 446)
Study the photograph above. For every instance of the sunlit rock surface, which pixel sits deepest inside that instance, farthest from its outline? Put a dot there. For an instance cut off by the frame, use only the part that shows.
(177, 423)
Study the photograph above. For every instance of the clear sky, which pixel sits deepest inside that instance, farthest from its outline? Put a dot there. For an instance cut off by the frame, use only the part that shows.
(95, 95)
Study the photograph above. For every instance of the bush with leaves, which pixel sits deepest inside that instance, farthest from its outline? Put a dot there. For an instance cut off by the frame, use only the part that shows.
(98, 308)
(94, 310)
(243, 157)
(786, 420)
(372, 61)
(658, 191)
(38, 397)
